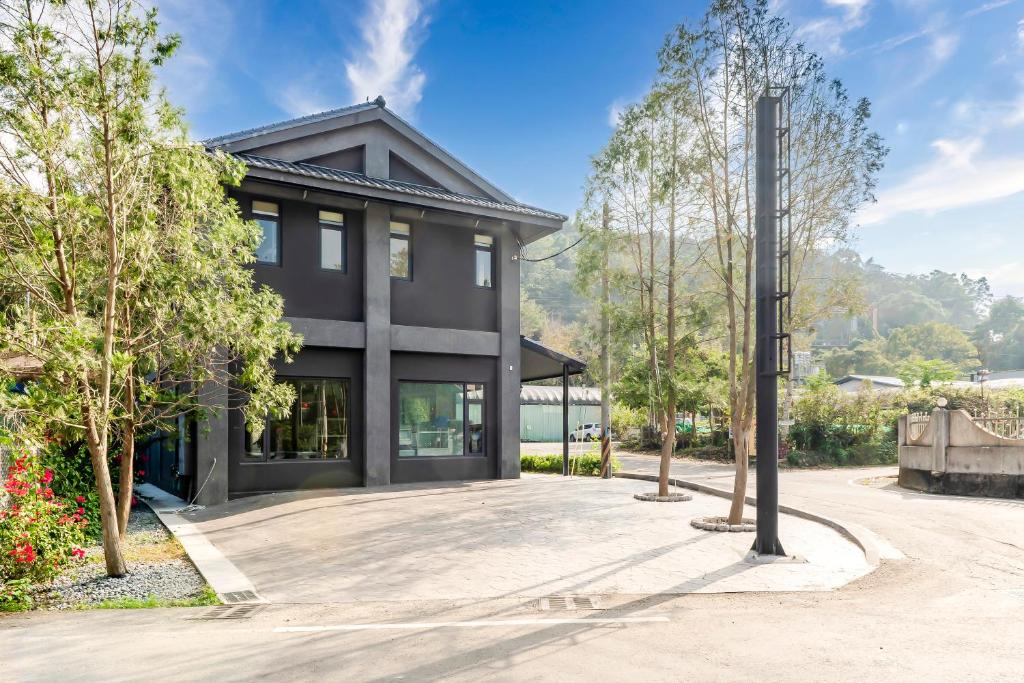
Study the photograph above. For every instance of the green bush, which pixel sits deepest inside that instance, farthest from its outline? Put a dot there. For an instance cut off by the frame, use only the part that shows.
(588, 465)
(39, 532)
(73, 479)
(15, 595)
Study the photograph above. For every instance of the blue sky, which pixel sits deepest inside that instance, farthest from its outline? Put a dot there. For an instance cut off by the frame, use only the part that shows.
(525, 92)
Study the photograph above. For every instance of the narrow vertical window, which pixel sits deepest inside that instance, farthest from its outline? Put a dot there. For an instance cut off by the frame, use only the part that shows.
(332, 241)
(401, 252)
(268, 218)
(484, 248)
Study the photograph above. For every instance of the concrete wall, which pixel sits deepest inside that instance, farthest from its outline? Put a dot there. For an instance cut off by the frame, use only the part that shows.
(308, 290)
(442, 291)
(955, 455)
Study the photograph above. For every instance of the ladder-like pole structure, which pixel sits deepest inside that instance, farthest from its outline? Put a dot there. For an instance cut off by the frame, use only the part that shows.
(772, 347)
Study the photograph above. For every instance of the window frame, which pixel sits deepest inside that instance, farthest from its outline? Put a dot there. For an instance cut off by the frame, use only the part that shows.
(343, 229)
(265, 436)
(277, 219)
(477, 248)
(408, 240)
(465, 420)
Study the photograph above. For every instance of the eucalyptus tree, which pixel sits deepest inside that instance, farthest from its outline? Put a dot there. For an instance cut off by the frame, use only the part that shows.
(724, 63)
(123, 259)
(639, 194)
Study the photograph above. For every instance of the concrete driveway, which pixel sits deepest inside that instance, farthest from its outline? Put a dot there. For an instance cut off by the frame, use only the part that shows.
(538, 536)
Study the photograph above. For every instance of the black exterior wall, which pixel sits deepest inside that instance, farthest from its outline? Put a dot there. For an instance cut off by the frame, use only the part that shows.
(440, 368)
(309, 291)
(300, 474)
(442, 292)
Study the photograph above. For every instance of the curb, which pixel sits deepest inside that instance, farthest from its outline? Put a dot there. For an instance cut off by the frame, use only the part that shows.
(230, 584)
(854, 533)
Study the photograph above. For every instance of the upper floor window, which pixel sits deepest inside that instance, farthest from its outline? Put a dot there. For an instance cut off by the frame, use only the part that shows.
(484, 248)
(268, 217)
(401, 252)
(332, 241)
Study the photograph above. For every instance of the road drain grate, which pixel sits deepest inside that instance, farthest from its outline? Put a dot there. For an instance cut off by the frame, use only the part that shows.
(230, 612)
(240, 596)
(567, 602)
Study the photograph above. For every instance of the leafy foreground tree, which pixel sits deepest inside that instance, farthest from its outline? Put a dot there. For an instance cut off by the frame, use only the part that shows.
(124, 261)
(725, 63)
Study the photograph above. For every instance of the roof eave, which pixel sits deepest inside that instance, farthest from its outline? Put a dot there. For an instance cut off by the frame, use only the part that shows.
(548, 225)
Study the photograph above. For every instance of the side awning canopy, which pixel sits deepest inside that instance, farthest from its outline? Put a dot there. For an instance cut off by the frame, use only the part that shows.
(540, 362)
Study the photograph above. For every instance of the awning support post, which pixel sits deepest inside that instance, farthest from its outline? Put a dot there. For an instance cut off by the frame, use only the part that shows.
(565, 420)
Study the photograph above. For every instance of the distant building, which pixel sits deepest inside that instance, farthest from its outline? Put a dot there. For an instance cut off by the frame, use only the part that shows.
(854, 383)
(540, 412)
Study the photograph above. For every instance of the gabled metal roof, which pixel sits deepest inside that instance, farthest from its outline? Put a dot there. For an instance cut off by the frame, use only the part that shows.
(360, 179)
(552, 396)
(290, 123)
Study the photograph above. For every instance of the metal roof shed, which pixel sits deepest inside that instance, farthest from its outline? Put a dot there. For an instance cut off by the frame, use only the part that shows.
(537, 362)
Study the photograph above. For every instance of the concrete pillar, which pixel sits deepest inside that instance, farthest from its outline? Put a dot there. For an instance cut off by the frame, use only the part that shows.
(940, 438)
(377, 357)
(211, 475)
(509, 372)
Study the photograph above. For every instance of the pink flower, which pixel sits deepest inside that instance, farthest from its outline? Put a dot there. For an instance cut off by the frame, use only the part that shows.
(80, 499)
(78, 553)
(48, 476)
(80, 511)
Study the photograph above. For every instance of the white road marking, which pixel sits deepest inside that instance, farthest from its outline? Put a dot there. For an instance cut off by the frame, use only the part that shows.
(470, 624)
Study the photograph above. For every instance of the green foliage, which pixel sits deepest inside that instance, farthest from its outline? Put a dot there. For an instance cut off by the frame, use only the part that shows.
(206, 597)
(15, 595)
(39, 532)
(626, 419)
(933, 341)
(1000, 337)
(862, 357)
(840, 428)
(587, 465)
(73, 479)
(928, 351)
(917, 372)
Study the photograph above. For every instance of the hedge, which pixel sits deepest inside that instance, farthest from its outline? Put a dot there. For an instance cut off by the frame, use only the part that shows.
(587, 465)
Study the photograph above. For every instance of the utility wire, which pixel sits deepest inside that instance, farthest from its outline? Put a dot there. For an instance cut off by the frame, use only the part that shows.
(522, 248)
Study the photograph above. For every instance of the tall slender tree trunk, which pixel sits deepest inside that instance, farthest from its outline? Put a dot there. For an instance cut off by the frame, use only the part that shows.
(127, 468)
(668, 440)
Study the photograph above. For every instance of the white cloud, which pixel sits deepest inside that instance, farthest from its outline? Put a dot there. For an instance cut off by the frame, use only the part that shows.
(392, 31)
(615, 110)
(1020, 34)
(207, 31)
(943, 46)
(825, 33)
(958, 176)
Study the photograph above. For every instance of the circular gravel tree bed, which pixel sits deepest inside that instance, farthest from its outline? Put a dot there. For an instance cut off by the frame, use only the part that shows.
(159, 574)
(670, 498)
(722, 524)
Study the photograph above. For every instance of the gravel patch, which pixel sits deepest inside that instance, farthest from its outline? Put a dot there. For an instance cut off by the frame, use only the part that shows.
(165, 578)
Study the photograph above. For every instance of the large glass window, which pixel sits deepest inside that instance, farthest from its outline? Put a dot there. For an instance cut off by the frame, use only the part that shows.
(401, 252)
(267, 215)
(317, 428)
(440, 419)
(484, 249)
(332, 241)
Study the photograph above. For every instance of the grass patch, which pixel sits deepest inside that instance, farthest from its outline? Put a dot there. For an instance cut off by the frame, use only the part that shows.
(587, 465)
(206, 598)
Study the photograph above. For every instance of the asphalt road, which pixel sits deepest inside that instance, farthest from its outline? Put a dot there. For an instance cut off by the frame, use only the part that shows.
(951, 609)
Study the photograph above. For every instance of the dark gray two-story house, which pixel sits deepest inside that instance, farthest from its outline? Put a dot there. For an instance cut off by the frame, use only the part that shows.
(399, 266)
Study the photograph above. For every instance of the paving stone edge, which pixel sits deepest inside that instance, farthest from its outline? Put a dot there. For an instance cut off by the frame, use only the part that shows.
(855, 534)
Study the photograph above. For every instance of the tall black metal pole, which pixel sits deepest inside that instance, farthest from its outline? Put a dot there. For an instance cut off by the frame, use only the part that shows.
(565, 420)
(766, 320)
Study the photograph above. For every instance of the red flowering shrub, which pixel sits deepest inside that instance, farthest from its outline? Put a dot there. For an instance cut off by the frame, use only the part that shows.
(39, 532)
